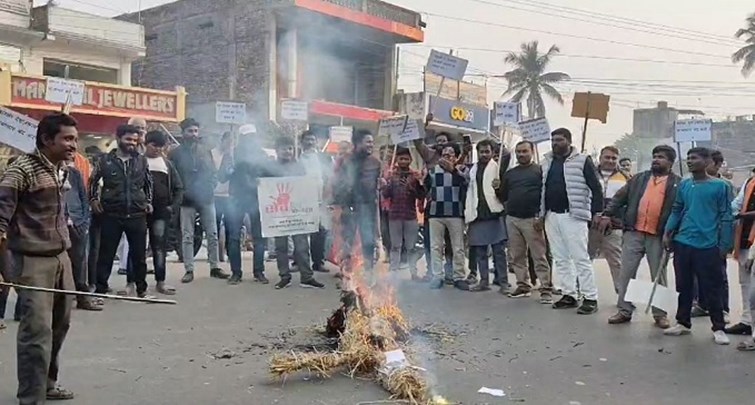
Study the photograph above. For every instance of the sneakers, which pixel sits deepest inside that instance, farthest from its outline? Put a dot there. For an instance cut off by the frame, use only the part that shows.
(588, 307)
(188, 277)
(461, 285)
(520, 292)
(720, 338)
(261, 279)
(284, 283)
(565, 302)
(662, 322)
(546, 298)
(235, 279)
(739, 329)
(677, 330)
(311, 283)
(219, 273)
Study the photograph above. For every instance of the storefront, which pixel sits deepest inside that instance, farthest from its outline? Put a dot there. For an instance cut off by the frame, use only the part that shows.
(459, 118)
(105, 106)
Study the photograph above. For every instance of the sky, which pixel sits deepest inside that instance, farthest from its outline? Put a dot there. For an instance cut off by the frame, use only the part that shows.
(689, 41)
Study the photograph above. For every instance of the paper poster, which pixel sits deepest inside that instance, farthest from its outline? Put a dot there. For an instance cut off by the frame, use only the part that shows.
(692, 130)
(401, 129)
(339, 134)
(289, 206)
(294, 110)
(506, 113)
(449, 66)
(537, 130)
(230, 113)
(17, 130)
(64, 91)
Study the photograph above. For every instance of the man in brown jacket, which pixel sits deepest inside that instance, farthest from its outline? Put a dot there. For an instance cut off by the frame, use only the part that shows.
(33, 224)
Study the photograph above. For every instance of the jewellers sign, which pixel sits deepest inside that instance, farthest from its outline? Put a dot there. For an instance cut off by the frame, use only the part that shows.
(100, 99)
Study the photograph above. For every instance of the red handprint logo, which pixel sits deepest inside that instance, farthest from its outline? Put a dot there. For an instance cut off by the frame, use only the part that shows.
(281, 202)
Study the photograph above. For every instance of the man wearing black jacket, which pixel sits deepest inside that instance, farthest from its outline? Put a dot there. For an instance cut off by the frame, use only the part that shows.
(167, 194)
(123, 201)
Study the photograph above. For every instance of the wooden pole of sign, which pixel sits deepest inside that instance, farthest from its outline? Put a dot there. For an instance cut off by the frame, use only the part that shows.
(88, 294)
(587, 117)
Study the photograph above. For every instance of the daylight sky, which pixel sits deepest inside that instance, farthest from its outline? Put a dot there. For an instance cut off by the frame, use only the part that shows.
(690, 42)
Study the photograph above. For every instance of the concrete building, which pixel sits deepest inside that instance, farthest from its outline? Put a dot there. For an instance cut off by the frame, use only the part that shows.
(339, 55)
(658, 122)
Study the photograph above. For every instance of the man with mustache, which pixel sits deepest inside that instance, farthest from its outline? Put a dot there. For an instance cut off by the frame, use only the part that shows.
(33, 224)
(123, 202)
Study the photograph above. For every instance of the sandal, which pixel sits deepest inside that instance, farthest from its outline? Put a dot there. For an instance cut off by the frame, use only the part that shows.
(746, 346)
(58, 393)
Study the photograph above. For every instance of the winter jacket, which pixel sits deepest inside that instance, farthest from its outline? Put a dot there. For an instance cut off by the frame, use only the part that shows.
(167, 191)
(581, 197)
(356, 181)
(194, 164)
(126, 185)
(628, 198)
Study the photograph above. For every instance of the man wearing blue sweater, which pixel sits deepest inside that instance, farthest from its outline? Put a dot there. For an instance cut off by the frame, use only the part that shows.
(699, 231)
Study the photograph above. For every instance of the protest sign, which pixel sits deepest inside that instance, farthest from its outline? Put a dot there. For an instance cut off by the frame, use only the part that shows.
(17, 130)
(230, 113)
(692, 130)
(536, 130)
(401, 129)
(449, 66)
(288, 206)
(294, 110)
(340, 134)
(64, 91)
(506, 113)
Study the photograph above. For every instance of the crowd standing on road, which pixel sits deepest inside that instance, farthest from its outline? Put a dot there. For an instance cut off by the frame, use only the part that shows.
(62, 221)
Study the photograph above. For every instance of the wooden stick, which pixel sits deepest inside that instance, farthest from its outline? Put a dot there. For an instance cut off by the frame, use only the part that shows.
(88, 294)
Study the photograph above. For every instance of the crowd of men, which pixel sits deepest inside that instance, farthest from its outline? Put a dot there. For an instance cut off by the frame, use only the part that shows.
(62, 219)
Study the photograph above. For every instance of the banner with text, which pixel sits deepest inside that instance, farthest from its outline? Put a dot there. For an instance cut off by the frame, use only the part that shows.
(294, 110)
(535, 131)
(288, 207)
(64, 91)
(17, 130)
(230, 113)
(507, 113)
(692, 130)
(446, 65)
(401, 129)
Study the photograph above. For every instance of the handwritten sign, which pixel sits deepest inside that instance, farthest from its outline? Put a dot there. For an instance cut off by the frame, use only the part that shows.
(536, 130)
(17, 130)
(294, 110)
(340, 134)
(401, 129)
(287, 206)
(692, 130)
(449, 66)
(230, 113)
(64, 91)
(507, 113)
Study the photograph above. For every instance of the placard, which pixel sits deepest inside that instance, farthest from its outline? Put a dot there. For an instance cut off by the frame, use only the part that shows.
(294, 110)
(59, 90)
(692, 130)
(17, 130)
(507, 113)
(536, 130)
(446, 65)
(230, 113)
(401, 129)
(340, 134)
(288, 206)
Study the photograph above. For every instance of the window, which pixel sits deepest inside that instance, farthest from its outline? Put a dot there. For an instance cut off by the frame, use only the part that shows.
(77, 71)
(10, 56)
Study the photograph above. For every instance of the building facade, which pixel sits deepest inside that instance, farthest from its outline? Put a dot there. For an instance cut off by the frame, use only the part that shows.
(339, 55)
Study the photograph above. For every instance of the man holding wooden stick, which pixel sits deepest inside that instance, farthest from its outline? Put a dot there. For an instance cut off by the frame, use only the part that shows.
(32, 222)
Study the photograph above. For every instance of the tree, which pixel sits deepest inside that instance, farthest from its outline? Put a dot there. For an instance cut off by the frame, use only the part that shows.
(529, 79)
(746, 54)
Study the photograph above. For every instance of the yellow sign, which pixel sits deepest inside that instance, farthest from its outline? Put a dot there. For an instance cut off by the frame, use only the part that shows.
(462, 114)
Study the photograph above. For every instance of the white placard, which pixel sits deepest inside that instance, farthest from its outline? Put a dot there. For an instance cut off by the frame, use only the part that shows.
(443, 64)
(230, 113)
(340, 134)
(507, 113)
(692, 130)
(294, 110)
(401, 129)
(17, 130)
(638, 293)
(536, 130)
(288, 206)
(58, 91)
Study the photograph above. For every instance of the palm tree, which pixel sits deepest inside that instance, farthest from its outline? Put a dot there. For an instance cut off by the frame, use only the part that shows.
(746, 54)
(529, 80)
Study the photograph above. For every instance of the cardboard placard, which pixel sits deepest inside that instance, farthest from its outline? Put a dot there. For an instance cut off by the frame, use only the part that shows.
(401, 129)
(64, 91)
(537, 130)
(339, 134)
(230, 113)
(288, 206)
(693, 130)
(506, 113)
(294, 110)
(17, 130)
(449, 66)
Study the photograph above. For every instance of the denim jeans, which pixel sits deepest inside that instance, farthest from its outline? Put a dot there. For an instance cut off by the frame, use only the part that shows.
(157, 242)
(207, 218)
(235, 220)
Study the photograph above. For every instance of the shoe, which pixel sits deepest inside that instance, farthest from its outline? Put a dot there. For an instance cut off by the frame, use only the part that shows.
(122, 272)
(461, 285)
(483, 286)
(437, 284)
(504, 290)
(565, 302)
(472, 279)
(497, 283)
(188, 277)
(86, 304)
(219, 273)
(284, 283)
(319, 268)
(58, 393)
(130, 290)
(261, 279)
(720, 338)
(662, 323)
(311, 283)
(235, 279)
(546, 298)
(520, 292)
(144, 294)
(739, 329)
(677, 330)
(449, 281)
(619, 318)
(588, 307)
(165, 289)
(698, 311)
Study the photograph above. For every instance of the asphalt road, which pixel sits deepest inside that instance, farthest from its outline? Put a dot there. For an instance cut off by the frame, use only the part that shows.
(213, 348)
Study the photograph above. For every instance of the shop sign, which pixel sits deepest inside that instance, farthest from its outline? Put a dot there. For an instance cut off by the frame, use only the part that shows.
(99, 99)
(459, 114)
